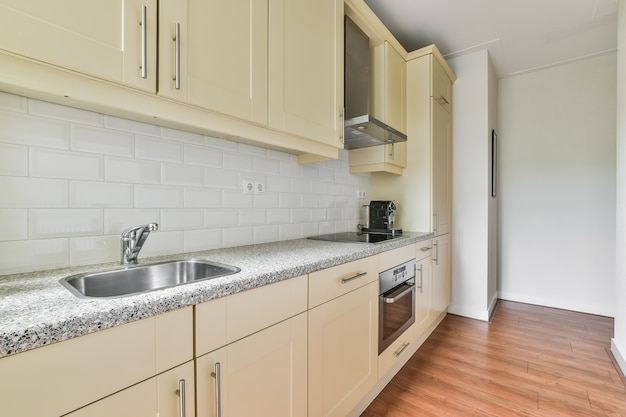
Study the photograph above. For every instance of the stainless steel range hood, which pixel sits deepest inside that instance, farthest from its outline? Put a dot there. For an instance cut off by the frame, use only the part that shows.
(360, 128)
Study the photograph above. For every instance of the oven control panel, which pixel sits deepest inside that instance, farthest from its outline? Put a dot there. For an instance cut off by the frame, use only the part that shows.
(397, 275)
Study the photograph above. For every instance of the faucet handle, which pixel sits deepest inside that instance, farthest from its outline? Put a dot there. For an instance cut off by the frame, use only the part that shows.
(131, 232)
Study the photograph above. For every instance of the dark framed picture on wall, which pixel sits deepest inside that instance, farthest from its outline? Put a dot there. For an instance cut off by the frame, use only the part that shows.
(494, 162)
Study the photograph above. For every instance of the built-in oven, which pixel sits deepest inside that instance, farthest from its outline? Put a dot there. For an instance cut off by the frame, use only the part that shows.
(396, 303)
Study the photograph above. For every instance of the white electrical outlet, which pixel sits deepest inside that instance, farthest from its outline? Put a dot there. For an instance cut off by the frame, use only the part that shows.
(361, 194)
(248, 186)
(259, 187)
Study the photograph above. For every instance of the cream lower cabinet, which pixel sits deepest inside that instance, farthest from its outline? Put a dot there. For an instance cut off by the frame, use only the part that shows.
(164, 396)
(60, 378)
(262, 375)
(343, 336)
(102, 38)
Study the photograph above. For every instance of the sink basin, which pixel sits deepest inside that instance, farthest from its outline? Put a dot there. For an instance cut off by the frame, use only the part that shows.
(137, 279)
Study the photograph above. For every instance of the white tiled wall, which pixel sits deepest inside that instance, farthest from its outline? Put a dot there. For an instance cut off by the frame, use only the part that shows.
(72, 180)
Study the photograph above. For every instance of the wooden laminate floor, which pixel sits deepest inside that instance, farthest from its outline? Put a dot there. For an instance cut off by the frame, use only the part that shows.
(529, 361)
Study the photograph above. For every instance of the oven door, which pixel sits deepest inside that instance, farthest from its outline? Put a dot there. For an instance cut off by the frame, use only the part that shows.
(396, 313)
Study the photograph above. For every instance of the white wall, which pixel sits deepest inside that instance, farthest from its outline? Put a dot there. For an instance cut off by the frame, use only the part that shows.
(473, 209)
(619, 341)
(557, 186)
(72, 180)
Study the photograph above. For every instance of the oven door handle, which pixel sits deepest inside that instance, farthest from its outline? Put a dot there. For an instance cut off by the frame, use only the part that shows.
(392, 300)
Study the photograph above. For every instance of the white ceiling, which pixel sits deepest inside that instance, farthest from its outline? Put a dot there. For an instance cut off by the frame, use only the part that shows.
(521, 35)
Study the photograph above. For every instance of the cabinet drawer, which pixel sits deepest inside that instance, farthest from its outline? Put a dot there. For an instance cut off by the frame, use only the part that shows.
(227, 319)
(398, 351)
(330, 283)
(424, 249)
(60, 377)
(396, 257)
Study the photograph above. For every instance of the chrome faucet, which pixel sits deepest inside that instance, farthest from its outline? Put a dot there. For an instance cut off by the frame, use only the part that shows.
(132, 241)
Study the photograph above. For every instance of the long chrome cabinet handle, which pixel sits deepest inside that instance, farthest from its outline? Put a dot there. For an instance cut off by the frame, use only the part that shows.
(402, 349)
(144, 42)
(177, 56)
(182, 411)
(359, 275)
(426, 248)
(421, 286)
(436, 257)
(218, 389)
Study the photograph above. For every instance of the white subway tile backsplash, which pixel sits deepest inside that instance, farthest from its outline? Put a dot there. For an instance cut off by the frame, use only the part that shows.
(102, 141)
(202, 198)
(181, 136)
(220, 218)
(154, 196)
(238, 161)
(13, 224)
(32, 255)
(237, 199)
(24, 192)
(289, 231)
(118, 220)
(252, 217)
(71, 181)
(221, 178)
(131, 170)
(139, 128)
(46, 223)
(57, 111)
(202, 155)
(204, 239)
(278, 216)
(13, 160)
(265, 234)
(24, 129)
(88, 194)
(158, 149)
(94, 249)
(178, 174)
(53, 163)
(182, 219)
(13, 103)
(237, 236)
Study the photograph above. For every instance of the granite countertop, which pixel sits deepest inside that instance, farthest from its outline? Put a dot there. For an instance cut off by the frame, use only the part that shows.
(35, 310)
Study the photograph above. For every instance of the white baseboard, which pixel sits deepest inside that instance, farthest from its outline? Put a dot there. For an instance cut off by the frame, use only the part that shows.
(617, 354)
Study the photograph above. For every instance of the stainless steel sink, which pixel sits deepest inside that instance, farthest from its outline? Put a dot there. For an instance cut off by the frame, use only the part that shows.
(143, 278)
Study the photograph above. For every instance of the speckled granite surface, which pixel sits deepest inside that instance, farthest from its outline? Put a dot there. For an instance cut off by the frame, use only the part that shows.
(35, 310)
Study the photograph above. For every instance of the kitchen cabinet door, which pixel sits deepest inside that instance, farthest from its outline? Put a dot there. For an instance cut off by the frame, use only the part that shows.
(101, 38)
(306, 68)
(343, 351)
(223, 56)
(441, 274)
(262, 375)
(423, 305)
(441, 161)
(176, 392)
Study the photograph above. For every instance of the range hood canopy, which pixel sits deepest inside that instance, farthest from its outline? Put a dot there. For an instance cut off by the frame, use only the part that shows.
(361, 129)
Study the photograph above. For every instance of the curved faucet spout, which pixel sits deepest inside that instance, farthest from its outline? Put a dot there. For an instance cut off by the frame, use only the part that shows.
(133, 240)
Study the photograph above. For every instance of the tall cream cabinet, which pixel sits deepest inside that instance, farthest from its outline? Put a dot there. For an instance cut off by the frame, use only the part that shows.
(114, 40)
(267, 72)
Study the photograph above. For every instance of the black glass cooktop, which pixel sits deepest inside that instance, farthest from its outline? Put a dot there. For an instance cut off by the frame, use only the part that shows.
(355, 237)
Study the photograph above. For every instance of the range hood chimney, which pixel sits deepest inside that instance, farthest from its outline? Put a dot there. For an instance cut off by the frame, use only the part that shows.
(360, 128)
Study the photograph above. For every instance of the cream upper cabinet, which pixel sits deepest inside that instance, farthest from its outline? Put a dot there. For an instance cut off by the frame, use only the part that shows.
(306, 68)
(113, 40)
(387, 103)
(213, 54)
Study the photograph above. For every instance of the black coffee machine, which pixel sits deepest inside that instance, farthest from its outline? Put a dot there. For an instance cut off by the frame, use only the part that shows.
(381, 218)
